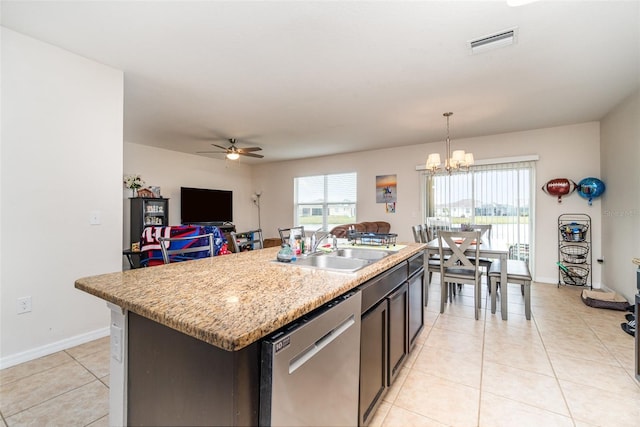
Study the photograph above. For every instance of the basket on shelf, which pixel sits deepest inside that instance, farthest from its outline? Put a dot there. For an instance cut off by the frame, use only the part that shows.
(574, 232)
(574, 275)
(574, 254)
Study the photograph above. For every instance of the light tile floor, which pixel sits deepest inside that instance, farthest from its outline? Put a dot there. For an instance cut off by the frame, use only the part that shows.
(68, 388)
(571, 365)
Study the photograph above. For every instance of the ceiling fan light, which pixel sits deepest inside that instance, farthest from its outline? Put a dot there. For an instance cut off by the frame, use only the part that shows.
(233, 155)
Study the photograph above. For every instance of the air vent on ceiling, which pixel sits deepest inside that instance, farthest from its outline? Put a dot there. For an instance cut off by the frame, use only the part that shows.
(493, 41)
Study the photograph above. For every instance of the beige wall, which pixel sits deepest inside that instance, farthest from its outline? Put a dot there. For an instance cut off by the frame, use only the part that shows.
(566, 151)
(61, 160)
(620, 158)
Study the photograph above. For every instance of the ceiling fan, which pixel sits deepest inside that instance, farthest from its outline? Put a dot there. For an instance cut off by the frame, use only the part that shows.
(233, 152)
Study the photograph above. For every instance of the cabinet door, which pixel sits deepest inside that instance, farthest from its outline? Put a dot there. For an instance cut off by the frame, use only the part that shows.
(416, 307)
(398, 330)
(373, 361)
(155, 213)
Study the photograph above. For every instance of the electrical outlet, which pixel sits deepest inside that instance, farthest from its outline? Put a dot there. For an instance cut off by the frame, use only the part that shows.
(116, 342)
(24, 305)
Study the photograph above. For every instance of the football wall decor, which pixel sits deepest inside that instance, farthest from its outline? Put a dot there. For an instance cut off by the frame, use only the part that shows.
(559, 187)
(590, 188)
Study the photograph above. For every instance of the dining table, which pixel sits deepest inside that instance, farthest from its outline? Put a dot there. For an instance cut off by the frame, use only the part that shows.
(489, 248)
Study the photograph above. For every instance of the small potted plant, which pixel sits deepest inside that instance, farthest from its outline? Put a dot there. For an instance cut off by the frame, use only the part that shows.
(133, 182)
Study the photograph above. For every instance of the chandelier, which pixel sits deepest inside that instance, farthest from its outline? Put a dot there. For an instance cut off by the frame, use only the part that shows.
(458, 160)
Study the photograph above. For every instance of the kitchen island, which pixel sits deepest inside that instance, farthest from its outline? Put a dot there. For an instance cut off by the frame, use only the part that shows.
(185, 337)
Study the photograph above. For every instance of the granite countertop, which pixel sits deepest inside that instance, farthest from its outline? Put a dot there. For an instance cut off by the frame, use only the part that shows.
(233, 300)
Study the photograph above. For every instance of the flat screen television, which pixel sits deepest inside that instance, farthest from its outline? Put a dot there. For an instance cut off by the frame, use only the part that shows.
(201, 205)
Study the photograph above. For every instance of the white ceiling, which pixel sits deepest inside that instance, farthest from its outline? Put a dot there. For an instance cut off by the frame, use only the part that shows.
(303, 79)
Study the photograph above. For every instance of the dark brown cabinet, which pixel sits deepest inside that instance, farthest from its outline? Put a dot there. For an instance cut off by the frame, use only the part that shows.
(417, 297)
(373, 360)
(392, 318)
(398, 332)
(416, 306)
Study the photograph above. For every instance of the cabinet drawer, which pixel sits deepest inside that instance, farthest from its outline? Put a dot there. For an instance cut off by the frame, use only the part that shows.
(380, 286)
(416, 263)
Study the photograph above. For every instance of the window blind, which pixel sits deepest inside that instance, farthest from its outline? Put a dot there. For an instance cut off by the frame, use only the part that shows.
(324, 201)
(498, 194)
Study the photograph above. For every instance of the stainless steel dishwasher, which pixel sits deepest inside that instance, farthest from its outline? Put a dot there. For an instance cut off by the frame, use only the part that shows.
(310, 369)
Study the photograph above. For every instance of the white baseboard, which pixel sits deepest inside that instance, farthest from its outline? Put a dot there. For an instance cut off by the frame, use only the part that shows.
(45, 350)
(554, 281)
(550, 280)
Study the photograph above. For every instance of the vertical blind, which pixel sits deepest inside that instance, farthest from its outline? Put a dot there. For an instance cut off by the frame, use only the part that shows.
(498, 194)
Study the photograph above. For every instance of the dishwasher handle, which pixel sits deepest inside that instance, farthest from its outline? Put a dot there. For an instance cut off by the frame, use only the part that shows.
(316, 347)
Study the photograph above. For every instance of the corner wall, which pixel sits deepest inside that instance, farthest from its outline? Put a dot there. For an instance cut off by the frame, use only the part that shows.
(61, 156)
(620, 157)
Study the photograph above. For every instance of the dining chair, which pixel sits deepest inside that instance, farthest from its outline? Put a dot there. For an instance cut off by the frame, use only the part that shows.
(177, 249)
(285, 233)
(435, 224)
(246, 241)
(426, 234)
(417, 233)
(459, 268)
(485, 236)
(434, 260)
(519, 251)
(484, 229)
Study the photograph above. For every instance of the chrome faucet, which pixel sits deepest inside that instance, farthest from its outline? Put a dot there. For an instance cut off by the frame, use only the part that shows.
(315, 242)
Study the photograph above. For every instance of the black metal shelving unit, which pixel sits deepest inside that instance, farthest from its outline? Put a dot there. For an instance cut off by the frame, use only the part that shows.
(574, 250)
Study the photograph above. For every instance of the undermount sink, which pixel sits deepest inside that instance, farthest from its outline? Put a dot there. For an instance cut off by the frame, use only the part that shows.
(346, 260)
(372, 255)
(334, 263)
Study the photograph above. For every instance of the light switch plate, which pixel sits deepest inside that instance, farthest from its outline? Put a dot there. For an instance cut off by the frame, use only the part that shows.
(94, 218)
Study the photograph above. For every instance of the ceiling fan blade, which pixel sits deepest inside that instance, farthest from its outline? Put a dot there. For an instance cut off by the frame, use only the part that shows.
(259, 156)
(211, 152)
(247, 150)
(220, 147)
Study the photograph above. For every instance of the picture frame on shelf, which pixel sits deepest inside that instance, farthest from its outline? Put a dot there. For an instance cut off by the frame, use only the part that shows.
(156, 192)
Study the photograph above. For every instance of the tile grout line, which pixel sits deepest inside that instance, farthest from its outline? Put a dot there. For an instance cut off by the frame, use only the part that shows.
(40, 372)
(555, 374)
(51, 398)
(74, 360)
(610, 353)
(86, 368)
(392, 404)
(484, 337)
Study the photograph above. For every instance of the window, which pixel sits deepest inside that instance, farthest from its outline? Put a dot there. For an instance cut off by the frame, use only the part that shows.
(325, 201)
(496, 194)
